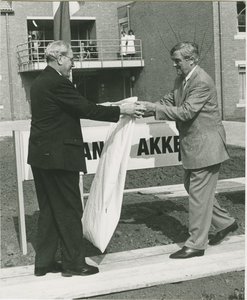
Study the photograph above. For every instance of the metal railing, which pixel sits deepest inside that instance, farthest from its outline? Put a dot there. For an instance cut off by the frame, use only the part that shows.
(84, 50)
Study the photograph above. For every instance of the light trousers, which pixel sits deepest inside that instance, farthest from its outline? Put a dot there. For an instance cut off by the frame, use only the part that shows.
(204, 209)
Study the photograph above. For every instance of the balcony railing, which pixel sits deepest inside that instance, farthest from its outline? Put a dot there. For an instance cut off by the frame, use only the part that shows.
(87, 54)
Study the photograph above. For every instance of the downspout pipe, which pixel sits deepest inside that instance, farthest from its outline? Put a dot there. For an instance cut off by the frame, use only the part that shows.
(10, 70)
(221, 64)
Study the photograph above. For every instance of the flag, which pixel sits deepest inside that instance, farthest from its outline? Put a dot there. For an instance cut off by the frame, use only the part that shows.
(61, 14)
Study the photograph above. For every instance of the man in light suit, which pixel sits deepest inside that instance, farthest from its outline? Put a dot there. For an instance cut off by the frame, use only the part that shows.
(56, 156)
(193, 105)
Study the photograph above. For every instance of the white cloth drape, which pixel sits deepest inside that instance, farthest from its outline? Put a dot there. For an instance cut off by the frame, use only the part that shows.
(103, 208)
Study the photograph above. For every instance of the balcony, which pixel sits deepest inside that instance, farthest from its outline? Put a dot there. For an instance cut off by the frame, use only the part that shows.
(88, 54)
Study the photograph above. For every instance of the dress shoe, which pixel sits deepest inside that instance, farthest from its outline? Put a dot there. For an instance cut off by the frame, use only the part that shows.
(56, 267)
(186, 252)
(219, 237)
(82, 271)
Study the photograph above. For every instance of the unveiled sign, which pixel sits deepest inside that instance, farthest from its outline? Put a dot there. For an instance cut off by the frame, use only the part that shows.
(153, 145)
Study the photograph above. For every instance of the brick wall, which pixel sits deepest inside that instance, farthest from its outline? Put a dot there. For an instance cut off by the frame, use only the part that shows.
(232, 50)
(161, 25)
(106, 28)
(17, 25)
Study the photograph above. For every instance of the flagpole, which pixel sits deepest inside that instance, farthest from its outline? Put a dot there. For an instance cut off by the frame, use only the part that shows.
(61, 13)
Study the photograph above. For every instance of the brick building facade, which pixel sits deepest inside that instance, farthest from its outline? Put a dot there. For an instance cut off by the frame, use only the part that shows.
(158, 25)
(230, 59)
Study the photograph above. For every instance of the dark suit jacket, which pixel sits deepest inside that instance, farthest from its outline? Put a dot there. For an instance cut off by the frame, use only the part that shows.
(195, 110)
(55, 138)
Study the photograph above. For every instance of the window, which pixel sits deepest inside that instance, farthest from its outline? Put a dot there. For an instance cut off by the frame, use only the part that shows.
(241, 83)
(42, 28)
(6, 6)
(241, 9)
(40, 34)
(124, 27)
(87, 85)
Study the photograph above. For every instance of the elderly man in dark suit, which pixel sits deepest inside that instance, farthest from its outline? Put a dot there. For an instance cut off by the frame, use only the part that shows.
(193, 105)
(56, 156)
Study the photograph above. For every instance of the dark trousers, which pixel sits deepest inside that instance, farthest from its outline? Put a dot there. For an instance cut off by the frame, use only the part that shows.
(60, 217)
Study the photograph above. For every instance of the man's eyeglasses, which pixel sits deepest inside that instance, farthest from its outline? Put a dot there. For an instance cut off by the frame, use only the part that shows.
(71, 58)
(179, 61)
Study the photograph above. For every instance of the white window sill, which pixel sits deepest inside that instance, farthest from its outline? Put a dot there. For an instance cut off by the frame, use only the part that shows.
(240, 36)
(240, 63)
(241, 105)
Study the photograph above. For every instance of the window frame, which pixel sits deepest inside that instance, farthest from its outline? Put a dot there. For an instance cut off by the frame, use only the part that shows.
(241, 65)
(241, 14)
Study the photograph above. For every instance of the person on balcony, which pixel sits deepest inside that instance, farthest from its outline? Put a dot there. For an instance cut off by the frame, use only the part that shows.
(83, 51)
(35, 44)
(124, 42)
(92, 51)
(56, 155)
(131, 44)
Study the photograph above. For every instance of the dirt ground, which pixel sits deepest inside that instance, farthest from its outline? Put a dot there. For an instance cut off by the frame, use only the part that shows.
(146, 221)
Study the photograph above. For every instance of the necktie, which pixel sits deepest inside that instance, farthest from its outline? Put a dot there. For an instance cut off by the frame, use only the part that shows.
(184, 84)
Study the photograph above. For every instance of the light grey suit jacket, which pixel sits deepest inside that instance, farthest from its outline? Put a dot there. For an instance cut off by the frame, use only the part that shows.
(195, 110)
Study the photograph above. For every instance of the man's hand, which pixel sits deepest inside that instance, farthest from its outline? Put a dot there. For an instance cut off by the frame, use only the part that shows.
(150, 108)
(132, 109)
